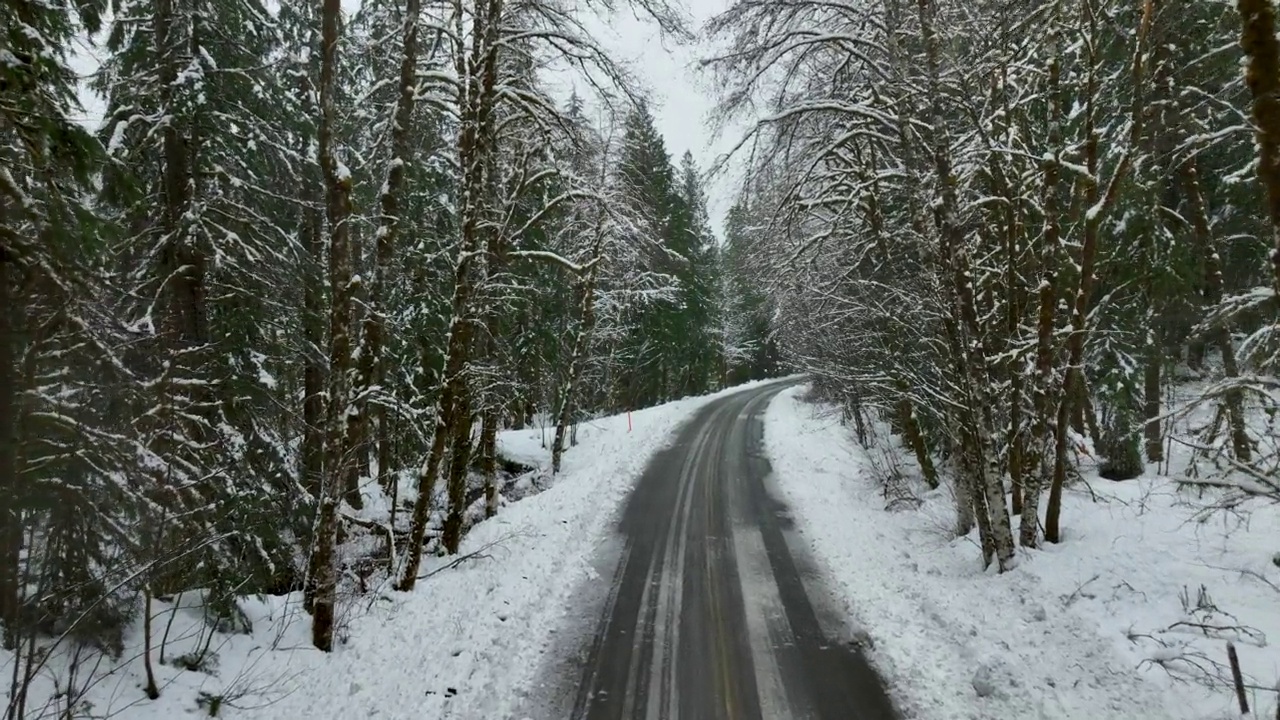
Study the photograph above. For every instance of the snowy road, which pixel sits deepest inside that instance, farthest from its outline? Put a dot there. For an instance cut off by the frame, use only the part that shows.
(709, 614)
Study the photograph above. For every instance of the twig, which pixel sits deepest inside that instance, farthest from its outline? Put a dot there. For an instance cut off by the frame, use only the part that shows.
(1242, 632)
(1079, 591)
(478, 554)
(1245, 572)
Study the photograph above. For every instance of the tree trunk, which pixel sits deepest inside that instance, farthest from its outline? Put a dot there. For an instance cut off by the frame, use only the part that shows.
(459, 463)
(1196, 352)
(1098, 204)
(1220, 335)
(427, 476)
(966, 335)
(339, 429)
(151, 689)
(1258, 40)
(476, 98)
(1160, 144)
(1029, 531)
(490, 396)
(313, 369)
(310, 231)
(1090, 416)
(1151, 397)
(360, 366)
(10, 510)
(1016, 439)
(1014, 299)
(386, 451)
(586, 325)
(1077, 412)
(858, 411)
(182, 263)
(1036, 474)
(965, 516)
(915, 439)
(489, 459)
(374, 371)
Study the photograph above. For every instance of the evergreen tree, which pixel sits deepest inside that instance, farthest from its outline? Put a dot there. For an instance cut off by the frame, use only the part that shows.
(750, 351)
(64, 455)
(194, 148)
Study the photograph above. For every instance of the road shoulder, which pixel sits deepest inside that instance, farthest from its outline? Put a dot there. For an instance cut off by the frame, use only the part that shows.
(952, 642)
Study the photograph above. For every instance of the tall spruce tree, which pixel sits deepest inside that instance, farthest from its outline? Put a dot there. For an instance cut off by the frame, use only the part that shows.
(194, 148)
(64, 455)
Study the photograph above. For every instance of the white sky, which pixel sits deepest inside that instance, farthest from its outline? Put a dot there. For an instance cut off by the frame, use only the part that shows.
(682, 96)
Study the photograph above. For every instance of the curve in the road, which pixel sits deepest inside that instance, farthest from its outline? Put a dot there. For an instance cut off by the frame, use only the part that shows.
(708, 617)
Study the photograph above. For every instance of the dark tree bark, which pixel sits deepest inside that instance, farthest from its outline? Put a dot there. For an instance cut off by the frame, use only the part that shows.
(1097, 203)
(323, 574)
(1159, 145)
(476, 102)
(1258, 40)
(181, 261)
(489, 459)
(1036, 475)
(1220, 335)
(373, 369)
(151, 689)
(10, 513)
(1154, 361)
(459, 463)
(310, 231)
(915, 439)
(313, 368)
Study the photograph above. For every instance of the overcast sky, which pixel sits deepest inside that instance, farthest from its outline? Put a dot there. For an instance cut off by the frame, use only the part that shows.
(683, 97)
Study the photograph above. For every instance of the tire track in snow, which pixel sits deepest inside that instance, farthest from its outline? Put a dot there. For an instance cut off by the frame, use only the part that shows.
(705, 559)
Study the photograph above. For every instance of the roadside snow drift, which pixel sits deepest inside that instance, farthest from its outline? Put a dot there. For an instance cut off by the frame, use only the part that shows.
(466, 644)
(1127, 619)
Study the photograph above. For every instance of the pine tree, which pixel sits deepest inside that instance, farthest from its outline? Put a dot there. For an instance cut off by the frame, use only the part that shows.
(646, 180)
(63, 452)
(187, 93)
(696, 244)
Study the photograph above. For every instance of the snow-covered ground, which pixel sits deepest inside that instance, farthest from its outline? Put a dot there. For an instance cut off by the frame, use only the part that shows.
(467, 643)
(1122, 620)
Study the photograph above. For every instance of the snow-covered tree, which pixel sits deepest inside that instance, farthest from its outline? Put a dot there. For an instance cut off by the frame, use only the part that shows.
(988, 224)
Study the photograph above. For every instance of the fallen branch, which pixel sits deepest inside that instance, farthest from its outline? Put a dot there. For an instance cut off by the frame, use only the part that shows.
(478, 554)
(1245, 572)
(1243, 633)
(1079, 592)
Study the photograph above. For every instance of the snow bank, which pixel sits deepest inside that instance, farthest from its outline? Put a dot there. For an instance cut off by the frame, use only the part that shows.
(1112, 623)
(467, 643)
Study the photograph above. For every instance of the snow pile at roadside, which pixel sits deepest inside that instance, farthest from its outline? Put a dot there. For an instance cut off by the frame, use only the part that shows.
(1125, 619)
(465, 644)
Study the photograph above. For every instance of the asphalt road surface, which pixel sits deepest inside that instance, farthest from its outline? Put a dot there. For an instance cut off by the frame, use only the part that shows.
(709, 615)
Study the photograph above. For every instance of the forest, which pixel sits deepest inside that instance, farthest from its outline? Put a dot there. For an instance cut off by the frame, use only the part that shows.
(262, 322)
(1011, 228)
(261, 325)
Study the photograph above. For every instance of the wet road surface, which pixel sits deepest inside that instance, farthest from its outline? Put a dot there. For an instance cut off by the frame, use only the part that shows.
(707, 616)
